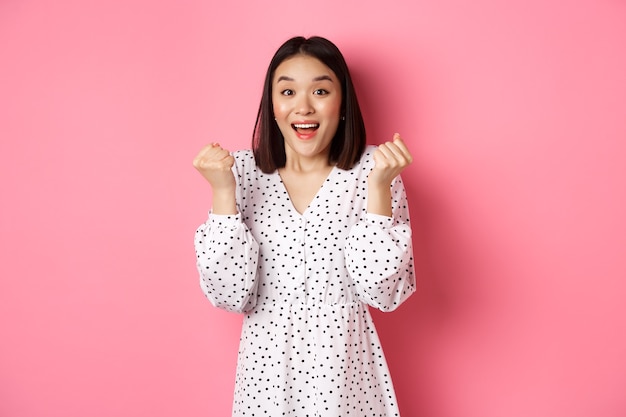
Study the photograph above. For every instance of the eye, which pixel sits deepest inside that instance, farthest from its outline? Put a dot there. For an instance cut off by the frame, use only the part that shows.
(287, 92)
(320, 92)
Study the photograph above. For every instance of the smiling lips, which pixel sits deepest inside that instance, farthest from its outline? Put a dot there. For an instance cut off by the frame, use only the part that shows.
(305, 130)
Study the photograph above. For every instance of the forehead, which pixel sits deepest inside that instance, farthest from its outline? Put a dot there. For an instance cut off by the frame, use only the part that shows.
(302, 68)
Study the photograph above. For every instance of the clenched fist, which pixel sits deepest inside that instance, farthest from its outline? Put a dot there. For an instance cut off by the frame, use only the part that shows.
(390, 159)
(214, 163)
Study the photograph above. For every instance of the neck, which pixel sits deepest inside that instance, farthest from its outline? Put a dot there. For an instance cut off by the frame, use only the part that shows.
(305, 164)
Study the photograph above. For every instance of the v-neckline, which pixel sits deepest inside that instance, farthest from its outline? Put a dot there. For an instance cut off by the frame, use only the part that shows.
(311, 203)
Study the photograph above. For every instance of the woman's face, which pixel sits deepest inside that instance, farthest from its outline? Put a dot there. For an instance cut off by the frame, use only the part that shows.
(306, 95)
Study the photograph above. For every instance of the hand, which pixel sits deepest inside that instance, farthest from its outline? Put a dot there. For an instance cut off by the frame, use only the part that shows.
(214, 163)
(390, 159)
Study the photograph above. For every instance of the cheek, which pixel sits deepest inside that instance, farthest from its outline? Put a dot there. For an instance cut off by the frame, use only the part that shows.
(279, 107)
(279, 110)
(334, 108)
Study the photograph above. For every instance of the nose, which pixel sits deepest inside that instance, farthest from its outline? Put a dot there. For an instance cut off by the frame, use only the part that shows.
(304, 105)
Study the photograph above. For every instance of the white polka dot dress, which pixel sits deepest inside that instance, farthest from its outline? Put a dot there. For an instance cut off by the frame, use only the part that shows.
(304, 282)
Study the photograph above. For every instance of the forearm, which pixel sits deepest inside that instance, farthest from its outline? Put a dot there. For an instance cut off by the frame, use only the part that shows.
(379, 199)
(379, 250)
(224, 201)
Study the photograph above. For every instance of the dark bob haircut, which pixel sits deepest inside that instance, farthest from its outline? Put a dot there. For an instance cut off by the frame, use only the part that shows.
(348, 144)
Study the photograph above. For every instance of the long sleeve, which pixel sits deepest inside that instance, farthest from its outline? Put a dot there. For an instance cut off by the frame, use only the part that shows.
(227, 256)
(379, 255)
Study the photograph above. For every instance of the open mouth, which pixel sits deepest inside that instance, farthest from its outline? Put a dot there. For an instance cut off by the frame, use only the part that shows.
(305, 128)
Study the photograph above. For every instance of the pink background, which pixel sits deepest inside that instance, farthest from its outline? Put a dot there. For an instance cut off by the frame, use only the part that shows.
(515, 112)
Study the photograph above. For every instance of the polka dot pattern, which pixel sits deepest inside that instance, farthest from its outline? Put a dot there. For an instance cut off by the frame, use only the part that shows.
(304, 282)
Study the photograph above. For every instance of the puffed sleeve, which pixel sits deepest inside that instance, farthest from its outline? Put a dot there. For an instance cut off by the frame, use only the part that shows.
(379, 255)
(227, 256)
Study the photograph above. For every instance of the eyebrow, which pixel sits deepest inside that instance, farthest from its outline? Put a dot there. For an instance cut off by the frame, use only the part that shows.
(320, 78)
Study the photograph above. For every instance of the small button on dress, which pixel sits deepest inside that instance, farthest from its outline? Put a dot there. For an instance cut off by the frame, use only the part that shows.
(305, 282)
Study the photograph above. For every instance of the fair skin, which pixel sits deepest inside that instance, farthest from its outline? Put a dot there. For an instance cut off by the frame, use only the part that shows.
(307, 102)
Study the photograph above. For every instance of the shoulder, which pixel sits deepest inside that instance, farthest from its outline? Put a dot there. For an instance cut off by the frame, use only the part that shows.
(366, 162)
(368, 154)
(245, 167)
(361, 169)
(244, 160)
(243, 155)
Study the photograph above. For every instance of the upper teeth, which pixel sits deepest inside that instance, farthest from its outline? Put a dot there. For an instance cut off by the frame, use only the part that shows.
(305, 125)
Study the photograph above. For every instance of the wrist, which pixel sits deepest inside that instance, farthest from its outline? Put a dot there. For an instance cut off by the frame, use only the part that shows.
(379, 200)
(224, 202)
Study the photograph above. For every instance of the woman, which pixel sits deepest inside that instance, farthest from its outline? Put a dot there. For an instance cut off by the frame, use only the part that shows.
(305, 231)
